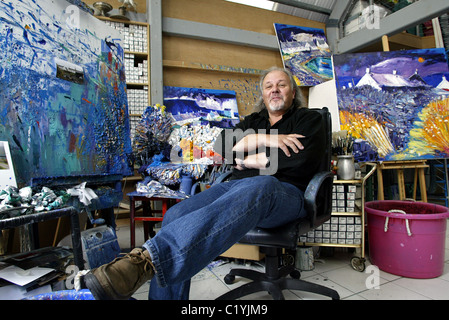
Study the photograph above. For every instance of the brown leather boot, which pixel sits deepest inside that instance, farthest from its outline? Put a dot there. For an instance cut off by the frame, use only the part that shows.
(119, 279)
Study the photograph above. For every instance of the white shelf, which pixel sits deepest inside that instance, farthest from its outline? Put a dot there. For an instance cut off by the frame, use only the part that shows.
(359, 213)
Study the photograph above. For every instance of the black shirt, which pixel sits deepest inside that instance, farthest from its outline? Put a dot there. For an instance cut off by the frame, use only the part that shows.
(299, 168)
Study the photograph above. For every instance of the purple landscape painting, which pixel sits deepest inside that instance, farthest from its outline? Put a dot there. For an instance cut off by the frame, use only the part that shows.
(395, 104)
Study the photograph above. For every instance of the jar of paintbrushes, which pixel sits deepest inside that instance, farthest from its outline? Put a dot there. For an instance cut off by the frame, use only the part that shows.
(343, 147)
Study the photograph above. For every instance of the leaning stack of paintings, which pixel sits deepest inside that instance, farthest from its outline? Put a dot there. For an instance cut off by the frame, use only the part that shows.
(191, 120)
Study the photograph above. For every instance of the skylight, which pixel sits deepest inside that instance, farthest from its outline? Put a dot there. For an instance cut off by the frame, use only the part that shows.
(264, 4)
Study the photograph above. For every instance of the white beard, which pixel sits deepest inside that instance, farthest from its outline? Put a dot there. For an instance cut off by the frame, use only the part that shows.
(277, 106)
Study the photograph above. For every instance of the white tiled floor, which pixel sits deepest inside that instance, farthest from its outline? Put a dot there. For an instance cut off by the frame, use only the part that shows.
(334, 272)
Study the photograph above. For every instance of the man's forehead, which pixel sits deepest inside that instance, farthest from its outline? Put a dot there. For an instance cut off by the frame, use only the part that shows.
(268, 81)
(276, 77)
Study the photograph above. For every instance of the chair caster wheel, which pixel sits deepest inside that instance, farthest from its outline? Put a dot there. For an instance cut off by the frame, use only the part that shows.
(358, 264)
(229, 279)
(295, 274)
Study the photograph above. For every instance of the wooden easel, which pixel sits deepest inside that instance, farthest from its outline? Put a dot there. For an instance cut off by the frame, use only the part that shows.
(400, 166)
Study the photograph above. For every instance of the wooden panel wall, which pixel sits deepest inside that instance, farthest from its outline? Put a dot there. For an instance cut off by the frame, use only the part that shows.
(211, 65)
(214, 65)
(141, 4)
(229, 14)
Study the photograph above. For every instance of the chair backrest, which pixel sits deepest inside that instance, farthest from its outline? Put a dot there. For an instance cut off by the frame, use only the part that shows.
(325, 164)
(319, 204)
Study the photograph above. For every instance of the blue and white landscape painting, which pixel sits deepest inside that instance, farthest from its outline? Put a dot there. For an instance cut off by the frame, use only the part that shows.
(191, 105)
(305, 53)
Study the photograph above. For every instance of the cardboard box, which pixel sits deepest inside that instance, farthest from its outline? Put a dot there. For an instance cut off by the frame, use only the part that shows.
(243, 251)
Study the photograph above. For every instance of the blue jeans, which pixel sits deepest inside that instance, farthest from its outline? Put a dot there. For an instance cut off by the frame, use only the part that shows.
(197, 230)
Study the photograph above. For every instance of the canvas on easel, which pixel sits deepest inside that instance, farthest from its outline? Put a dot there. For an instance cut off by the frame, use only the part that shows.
(7, 177)
(394, 103)
(63, 101)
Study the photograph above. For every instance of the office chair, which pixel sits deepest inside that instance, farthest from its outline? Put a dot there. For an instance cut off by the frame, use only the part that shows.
(318, 203)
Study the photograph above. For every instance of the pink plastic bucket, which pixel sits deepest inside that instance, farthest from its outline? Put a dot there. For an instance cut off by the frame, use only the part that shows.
(411, 244)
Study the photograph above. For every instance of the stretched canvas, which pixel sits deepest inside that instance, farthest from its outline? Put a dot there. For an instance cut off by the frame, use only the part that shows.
(217, 108)
(63, 103)
(395, 104)
(7, 176)
(305, 53)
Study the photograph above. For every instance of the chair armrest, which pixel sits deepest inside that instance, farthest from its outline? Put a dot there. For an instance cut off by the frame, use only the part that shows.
(318, 198)
(194, 188)
(223, 177)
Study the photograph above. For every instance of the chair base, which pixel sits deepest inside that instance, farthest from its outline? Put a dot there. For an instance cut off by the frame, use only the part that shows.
(274, 281)
(275, 287)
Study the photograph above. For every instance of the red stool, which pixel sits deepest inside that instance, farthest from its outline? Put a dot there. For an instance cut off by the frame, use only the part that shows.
(148, 216)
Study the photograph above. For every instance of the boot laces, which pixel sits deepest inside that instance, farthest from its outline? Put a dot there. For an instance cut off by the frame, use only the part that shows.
(138, 258)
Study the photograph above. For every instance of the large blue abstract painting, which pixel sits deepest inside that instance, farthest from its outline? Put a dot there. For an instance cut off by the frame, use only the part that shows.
(63, 103)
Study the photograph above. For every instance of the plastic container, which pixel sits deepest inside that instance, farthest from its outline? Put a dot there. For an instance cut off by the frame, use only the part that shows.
(304, 258)
(100, 246)
(411, 244)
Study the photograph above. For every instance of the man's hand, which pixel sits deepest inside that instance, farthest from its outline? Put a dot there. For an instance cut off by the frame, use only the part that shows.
(282, 141)
(285, 142)
(254, 161)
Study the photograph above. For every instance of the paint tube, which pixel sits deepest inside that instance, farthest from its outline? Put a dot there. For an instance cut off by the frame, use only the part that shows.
(85, 195)
(59, 202)
(15, 202)
(26, 194)
(48, 196)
